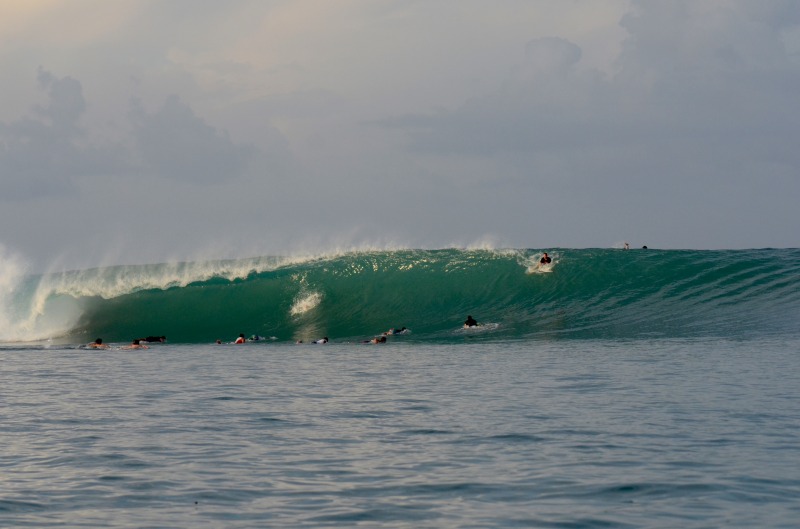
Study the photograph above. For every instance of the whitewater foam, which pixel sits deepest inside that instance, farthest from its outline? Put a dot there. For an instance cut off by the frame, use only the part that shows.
(305, 302)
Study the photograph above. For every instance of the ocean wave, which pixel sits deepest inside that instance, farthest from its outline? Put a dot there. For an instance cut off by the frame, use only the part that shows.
(598, 293)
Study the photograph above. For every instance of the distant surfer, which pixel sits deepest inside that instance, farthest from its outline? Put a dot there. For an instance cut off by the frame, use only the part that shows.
(136, 344)
(240, 339)
(545, 260)
(97, 344)
(626, 246)
(394, 330)
(153, 339)
(470, 322)
(321, 340)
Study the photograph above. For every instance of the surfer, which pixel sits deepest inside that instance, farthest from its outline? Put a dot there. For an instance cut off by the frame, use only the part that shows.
(240, 339)
(97, 344)
(470, 322)
(394, 330)
(322, 340)
(545, 259)
(152, 339)
(136, 344)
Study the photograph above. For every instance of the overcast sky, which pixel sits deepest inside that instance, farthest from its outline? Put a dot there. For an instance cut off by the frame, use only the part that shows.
(143, 131)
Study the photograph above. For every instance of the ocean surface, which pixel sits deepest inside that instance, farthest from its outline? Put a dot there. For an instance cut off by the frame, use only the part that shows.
(651, 389)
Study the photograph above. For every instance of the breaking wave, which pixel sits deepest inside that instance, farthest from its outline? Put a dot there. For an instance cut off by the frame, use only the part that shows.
(589, 293)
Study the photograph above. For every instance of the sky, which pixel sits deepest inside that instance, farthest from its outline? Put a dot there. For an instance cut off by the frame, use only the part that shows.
(141, 131)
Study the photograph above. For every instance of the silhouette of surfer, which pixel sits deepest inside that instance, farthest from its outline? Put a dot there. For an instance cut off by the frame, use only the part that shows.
(471, 322)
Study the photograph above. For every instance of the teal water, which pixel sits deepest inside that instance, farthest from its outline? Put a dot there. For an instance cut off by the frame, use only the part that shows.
(592, 293)
(646, 433)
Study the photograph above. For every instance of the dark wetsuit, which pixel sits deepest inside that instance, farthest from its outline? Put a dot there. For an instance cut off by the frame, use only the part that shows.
(545, 260)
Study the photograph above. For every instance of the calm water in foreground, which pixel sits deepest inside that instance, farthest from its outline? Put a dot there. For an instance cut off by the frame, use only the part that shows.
(573, 434)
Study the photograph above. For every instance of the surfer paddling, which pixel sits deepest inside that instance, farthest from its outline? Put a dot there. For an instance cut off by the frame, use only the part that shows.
(471, 322)
(136, 344)
(97, 344)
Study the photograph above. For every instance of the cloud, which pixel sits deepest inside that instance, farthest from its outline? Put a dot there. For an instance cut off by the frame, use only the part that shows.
(49, 153)
(43, 153)
(66, 102)
(552, 54)
(175, 143)
(713, 73)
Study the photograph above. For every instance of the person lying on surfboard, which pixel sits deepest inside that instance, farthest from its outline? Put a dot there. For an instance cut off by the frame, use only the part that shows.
(136, 344)
(470, 322)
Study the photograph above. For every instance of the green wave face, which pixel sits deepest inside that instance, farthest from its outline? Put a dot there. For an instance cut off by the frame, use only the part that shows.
(591, 293)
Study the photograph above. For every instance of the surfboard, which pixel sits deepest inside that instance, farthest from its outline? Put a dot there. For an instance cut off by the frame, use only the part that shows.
(540, 268)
